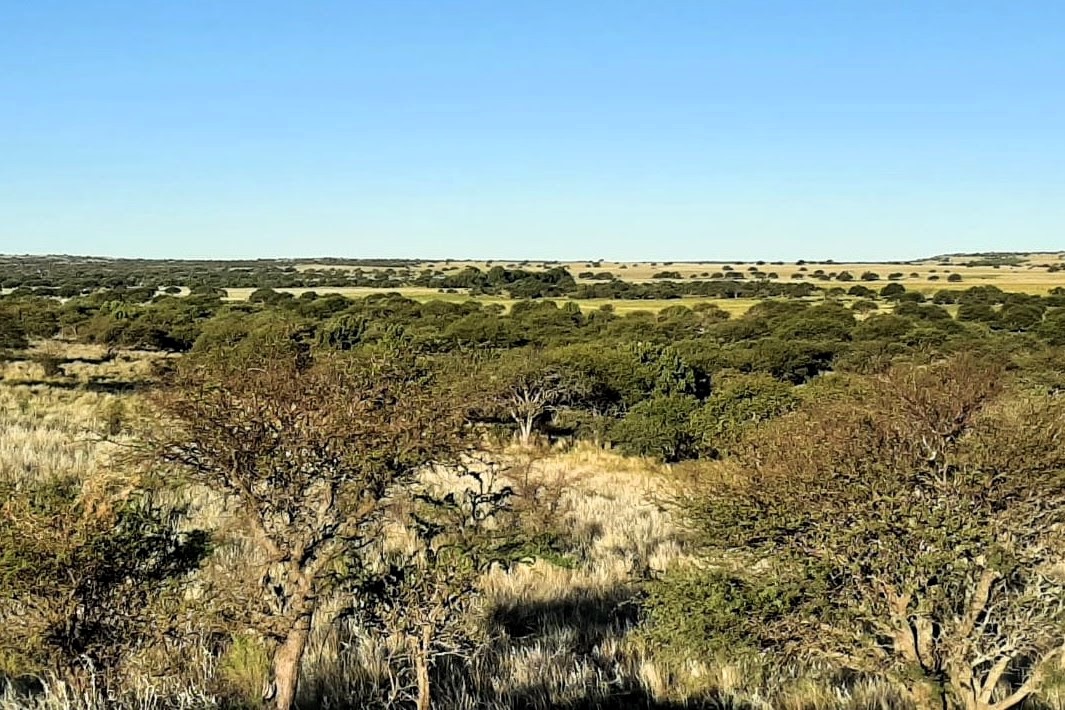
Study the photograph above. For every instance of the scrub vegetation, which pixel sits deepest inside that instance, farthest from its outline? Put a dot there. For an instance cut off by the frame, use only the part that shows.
(844, 496)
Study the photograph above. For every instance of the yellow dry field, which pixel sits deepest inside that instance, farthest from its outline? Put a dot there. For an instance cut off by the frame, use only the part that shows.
(417, 293)
(735, 306)
(1030, 276)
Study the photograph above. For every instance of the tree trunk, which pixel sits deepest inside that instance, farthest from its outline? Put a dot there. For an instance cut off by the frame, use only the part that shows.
(287, 660)
(928, 694)
(526, 427)
(421, 668)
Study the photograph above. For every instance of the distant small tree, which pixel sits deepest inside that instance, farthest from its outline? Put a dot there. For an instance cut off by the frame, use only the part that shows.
(893, 290)
(980, 312)
(861, 291)
(864, 306)
(1020, 317)
(526, 386)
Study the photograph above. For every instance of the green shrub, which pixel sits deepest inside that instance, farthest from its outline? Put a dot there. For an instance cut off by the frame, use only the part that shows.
(659, 427)
(12, 334)
(691, 613)
(85, 575)
(738, 403)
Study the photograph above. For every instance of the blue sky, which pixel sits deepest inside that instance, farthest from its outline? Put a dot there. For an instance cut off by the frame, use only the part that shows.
(549, 129)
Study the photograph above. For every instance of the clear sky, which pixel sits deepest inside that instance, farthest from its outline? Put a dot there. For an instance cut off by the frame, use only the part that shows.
(617, 129)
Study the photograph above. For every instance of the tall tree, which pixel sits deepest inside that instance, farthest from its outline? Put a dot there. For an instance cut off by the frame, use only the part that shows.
(310, 455)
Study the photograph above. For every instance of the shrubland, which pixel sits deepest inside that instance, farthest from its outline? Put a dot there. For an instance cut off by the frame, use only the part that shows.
(324, 501)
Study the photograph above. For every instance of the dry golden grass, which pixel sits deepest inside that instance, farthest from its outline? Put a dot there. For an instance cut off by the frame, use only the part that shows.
(1031, 276)
(79, 365)
(736, 306)
(45, 431)
(560, 635)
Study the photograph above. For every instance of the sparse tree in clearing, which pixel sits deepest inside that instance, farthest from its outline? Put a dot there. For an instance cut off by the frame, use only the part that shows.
(893, 290)
(311, 456)
(527, 386)
(913, 531)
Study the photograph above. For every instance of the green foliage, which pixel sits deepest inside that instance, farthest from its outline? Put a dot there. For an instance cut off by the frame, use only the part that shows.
(84, 580)
(883, 327)
(12, 333)
(1020, 316)
(342, 332)
(892, 290)
(695, 613)
(977, 311)
(739, 402)
(793, 360)
(659, 427)
(927, 505)
(1052, 329)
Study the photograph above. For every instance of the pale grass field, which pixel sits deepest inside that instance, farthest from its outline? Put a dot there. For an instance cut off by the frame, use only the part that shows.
(574, 648)
(736, 306)
(82, 364)
(1030, 277)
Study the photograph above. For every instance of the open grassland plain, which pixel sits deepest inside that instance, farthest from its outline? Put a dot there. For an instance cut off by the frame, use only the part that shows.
(1027, 273)
(735, 306)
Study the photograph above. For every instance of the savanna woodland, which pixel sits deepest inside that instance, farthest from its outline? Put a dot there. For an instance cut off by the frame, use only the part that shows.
(532, 485)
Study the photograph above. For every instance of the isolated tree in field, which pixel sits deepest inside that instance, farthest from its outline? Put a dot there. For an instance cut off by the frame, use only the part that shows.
(87, 570)
(311, 455)
(914, 531)
(526, 386)
(893, 290)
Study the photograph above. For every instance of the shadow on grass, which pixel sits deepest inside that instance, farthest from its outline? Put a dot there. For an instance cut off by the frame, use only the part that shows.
(102, 386)
(632, 699)
(595, 616)
(578, 634)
